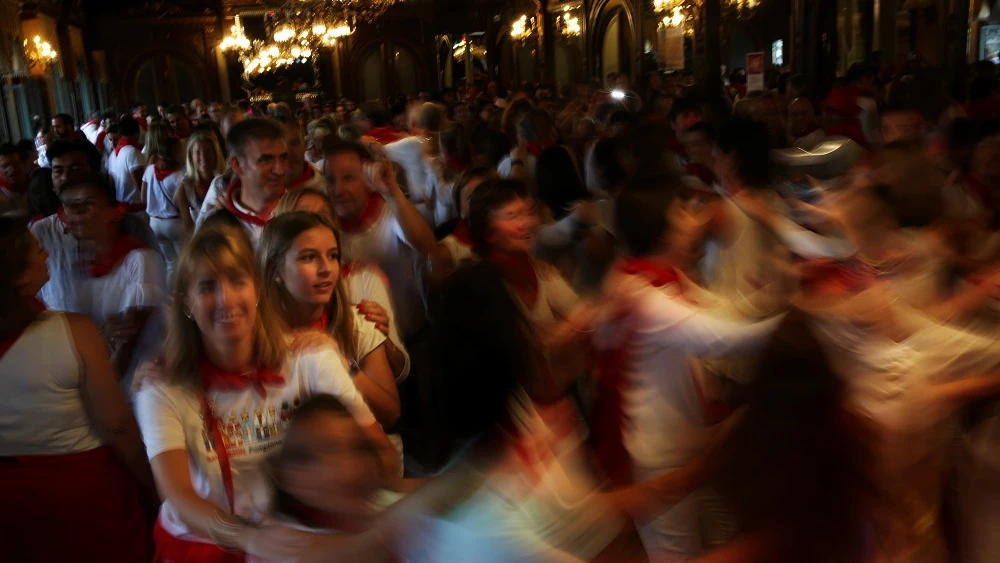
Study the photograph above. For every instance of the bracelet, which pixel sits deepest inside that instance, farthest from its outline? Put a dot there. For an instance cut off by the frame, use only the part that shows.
(229, 530)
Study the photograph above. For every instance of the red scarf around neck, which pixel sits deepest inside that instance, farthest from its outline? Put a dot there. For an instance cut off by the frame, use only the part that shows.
(321, 323)
(384, 135)
(162, 173)
(518, 270)
(106, 264)
(306, 175)
(655, 274)
(242, 215)
(371, 213)
(10, 187)
(126, 142)
(463, 233)
(215, 378)
(535, 148)
(7, 343)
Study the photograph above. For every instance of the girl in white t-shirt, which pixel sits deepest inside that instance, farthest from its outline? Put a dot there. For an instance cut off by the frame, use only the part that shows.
(159, 186)
(218, 402)
(300, 254)
(203, 162)
(365, 284)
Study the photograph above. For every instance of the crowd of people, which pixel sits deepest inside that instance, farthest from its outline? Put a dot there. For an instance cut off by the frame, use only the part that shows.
(628, 323)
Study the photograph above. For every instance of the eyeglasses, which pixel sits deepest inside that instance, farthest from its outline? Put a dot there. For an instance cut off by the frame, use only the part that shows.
(79, 206)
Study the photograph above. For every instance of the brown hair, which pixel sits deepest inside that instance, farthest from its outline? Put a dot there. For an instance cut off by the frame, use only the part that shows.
(279, 234)
(224, 249)
(16, 311)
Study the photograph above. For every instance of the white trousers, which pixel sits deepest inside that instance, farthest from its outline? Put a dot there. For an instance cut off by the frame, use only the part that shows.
(170, 236)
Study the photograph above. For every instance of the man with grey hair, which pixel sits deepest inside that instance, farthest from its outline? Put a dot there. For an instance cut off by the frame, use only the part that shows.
(408, 154)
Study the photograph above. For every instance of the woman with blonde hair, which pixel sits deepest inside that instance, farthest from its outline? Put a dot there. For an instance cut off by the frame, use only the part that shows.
(299, 254)
(219, 399)
(203, 163)
(365, 284)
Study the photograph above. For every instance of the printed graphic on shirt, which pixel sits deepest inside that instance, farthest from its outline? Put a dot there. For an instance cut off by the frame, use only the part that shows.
(250, 432)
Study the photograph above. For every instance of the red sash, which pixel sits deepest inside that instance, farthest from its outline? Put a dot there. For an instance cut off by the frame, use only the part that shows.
(89, 497)
(371, 213)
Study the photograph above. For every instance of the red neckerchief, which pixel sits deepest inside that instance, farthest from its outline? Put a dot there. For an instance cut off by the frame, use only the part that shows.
(385, 135)
(7, 343)
(92, 122)
(535, 148)
(812, 128)
(142, 123)
(125, 142)
(656, 275)
(119, 250)
(99, 143)
(979, 189)
(242, 215)
(371, 213)
(701, 172)
(162, 173)
(322, 322)
(518, 270)
(455, 163)
(306, 175)
(215, 378)
(10, 188)
(825, 276)
(463, 233)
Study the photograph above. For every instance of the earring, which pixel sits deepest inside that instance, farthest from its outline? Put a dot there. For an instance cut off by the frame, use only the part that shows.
(187, 314)
(277, 280)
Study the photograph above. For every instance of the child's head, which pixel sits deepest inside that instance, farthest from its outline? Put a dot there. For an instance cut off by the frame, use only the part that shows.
(327, 464)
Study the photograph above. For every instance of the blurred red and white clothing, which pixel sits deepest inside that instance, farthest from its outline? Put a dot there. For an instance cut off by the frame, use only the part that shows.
(365, 282)
(252, 222)
(250, 421)
(123, 161)
(377, 238)
(164, 217)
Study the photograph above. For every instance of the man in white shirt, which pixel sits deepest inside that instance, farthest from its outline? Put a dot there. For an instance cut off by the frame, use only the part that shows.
(92, 127)
(535, 133)
(300, 173)
(644, 355)
(408, 153)
(380, 226)
(258, 156)
(126, 165)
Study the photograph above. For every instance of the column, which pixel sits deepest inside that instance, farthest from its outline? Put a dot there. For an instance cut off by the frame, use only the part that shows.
(545, 30)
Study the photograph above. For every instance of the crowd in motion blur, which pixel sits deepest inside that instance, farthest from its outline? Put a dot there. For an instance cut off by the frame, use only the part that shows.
(628, 323)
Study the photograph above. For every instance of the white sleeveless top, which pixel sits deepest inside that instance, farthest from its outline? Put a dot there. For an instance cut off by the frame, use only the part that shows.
(43, 410)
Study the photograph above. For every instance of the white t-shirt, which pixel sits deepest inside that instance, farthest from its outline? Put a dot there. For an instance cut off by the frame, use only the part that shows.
(459, 251)
(215, 190)
(40, 374)
(408, 153)
(660, 397)
(120, 167)
(384, 243)
(367, 282)
(160, 196)
(253, 427)
(253, 224)
(505, 168)
(555, 297)
(91, 130)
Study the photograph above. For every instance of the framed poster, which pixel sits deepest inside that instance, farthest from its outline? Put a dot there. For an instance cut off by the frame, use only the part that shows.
(989, 43)
(755, 72)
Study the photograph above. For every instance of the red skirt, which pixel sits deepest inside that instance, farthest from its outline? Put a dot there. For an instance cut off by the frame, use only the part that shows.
(170, 549)
(81, 506)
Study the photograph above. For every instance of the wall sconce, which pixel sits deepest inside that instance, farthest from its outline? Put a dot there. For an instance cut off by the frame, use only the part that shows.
(522, 28)
(567, 23)
(39, 53)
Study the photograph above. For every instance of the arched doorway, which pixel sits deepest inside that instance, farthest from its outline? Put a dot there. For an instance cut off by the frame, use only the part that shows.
(165, 76)
(615, 45)
(388, 68)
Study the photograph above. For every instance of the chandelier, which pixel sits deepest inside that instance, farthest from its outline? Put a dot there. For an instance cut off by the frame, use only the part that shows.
(567, 23)
(522, 28)
(678, 13)
(39, 53)
(740, 9)
(299, 30)
(459, 49)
